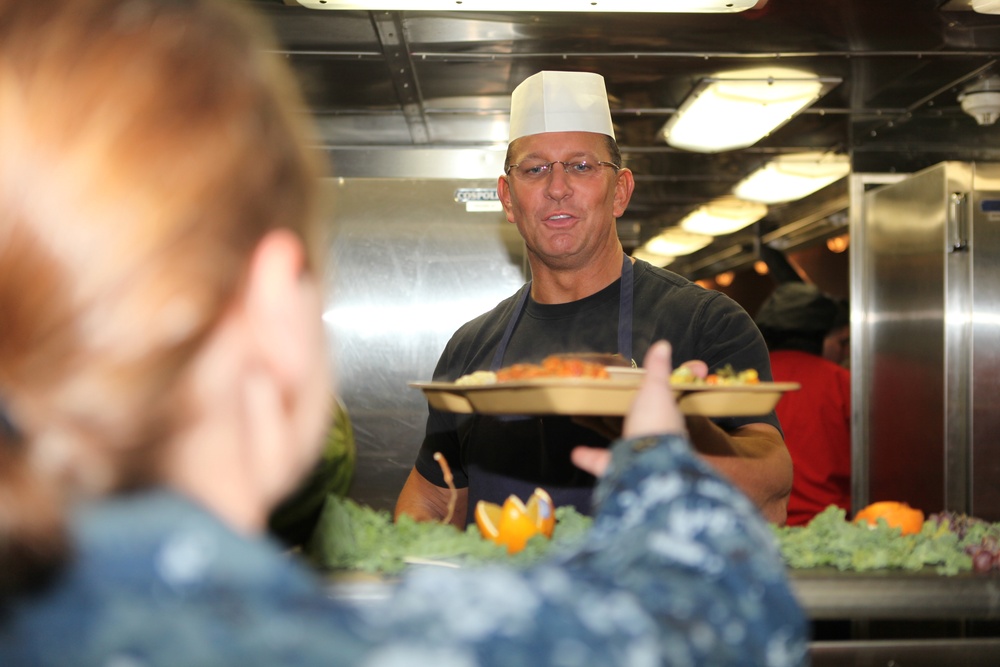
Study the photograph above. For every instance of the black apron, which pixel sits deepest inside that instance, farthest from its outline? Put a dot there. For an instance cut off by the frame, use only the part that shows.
(517, 453)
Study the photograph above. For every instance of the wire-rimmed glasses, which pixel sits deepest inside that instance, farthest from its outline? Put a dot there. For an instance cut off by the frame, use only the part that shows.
(537, 171)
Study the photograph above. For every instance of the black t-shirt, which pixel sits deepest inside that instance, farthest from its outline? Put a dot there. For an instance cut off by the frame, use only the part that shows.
(497, 456)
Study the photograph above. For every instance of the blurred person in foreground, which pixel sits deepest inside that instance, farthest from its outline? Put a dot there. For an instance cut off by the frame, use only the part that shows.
(564, 187)
(163, 385)
(798, 322)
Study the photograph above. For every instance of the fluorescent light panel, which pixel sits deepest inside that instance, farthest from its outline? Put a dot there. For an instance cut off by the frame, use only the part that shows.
(650, 6)
(652, 257)
(986, 6)
(723, 216)
(736, 109)
(792, 177)
(675, 242)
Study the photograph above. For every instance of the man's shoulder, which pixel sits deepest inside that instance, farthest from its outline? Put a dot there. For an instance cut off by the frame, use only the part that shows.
(644, 269)
(648, 276)
(656, 284)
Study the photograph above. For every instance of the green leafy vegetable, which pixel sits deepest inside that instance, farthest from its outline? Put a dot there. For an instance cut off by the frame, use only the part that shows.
(830, 540)
(355, 537)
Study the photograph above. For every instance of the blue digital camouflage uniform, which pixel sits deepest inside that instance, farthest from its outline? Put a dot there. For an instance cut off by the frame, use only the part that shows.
(678, 570)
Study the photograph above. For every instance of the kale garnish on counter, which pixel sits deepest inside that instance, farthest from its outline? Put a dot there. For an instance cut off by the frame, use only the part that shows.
(830, 540)
(356, 537)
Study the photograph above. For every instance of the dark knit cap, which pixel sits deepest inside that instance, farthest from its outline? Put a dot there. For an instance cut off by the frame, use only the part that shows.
(798, 307)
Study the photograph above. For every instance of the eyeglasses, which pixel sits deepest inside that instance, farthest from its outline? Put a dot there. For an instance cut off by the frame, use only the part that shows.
(538, 171)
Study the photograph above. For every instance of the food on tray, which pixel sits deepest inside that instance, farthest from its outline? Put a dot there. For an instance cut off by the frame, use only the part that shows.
(897, 515)
(477, 378)
(578, 366)
(514, 523)
(554, 366)
(726, 375)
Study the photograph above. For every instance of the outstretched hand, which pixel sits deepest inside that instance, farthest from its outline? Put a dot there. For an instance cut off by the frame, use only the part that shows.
(654, 410)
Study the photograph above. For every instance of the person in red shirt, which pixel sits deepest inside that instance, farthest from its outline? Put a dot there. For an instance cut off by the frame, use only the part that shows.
(837, 344)
(816, 419)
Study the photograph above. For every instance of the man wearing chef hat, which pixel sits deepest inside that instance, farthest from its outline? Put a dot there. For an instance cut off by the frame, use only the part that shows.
(564, 187)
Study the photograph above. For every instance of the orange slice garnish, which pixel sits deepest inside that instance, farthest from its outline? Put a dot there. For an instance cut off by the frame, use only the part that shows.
(488, 520)
(542, 511)
(516, 527)
(514, 523)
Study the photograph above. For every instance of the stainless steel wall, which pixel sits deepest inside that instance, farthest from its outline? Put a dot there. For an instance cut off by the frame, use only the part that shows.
(408, 265)
(984, 404)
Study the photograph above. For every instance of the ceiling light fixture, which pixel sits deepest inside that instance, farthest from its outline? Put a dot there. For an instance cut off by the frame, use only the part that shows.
(736, 109)
(725, 279)
(986, 6)
(676, 242)
(651, 6)
(652, 257)
(838, 244)
(793, 176)
(723, 216)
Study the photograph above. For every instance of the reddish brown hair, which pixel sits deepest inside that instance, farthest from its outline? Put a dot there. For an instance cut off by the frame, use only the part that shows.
(147, 146)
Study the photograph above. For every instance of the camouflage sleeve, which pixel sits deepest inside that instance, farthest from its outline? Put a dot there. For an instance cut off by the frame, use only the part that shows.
(678, 570)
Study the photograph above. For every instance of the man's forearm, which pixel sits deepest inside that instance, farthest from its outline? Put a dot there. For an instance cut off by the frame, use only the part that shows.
(425, 501)
(754, 458)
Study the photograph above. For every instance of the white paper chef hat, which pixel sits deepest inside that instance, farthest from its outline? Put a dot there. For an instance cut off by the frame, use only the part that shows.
(560, 102)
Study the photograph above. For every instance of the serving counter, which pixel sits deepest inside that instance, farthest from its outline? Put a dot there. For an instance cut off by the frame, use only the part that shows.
(901, 619)
(881, 618)
(828, 594)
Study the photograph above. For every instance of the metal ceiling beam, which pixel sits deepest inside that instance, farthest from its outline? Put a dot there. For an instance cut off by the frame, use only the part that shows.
(455, 56)
(392, 38)
(452, 56)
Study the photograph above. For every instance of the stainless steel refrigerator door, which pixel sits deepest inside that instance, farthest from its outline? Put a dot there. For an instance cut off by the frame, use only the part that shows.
(926, 318)
(904, 374)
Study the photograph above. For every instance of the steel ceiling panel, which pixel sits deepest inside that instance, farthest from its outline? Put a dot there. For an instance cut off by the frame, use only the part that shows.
(442, 80)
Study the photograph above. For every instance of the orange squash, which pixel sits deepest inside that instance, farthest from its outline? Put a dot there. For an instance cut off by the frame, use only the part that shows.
(898, 515)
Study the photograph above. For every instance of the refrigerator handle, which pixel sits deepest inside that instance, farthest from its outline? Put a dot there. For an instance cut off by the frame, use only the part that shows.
(958, 222)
